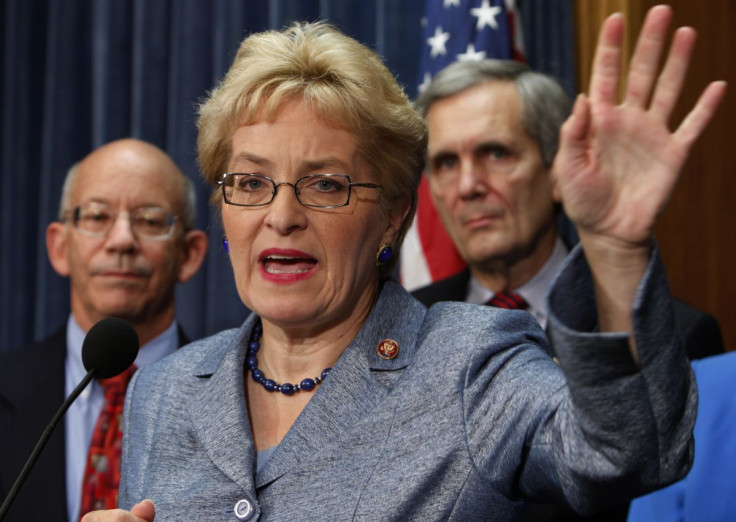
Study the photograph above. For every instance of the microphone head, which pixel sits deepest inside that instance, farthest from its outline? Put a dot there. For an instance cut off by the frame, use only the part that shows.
(110, 347)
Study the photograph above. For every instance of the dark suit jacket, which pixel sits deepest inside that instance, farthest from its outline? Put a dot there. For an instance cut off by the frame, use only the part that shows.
(31, 391)
(702, 335)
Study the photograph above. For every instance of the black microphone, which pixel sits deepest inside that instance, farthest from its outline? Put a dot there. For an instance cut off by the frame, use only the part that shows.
(109, 348)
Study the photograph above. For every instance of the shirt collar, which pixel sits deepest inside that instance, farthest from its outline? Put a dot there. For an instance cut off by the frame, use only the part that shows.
(533, 291)
(157, 348)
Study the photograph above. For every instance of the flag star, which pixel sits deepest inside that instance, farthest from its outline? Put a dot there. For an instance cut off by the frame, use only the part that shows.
(425, 83)
(450, 3)
(486, 15)
(437, 42)
(471, 55)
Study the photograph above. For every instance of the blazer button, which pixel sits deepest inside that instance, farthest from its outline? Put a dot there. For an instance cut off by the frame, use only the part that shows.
(244, 509)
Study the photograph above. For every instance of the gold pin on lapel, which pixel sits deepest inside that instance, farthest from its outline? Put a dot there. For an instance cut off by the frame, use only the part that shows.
(388, 349)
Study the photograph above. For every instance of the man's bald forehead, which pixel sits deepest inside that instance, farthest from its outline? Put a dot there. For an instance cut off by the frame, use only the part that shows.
(132, 155)
(134, 149)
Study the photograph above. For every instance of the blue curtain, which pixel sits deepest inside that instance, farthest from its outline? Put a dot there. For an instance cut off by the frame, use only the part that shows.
(79, 73)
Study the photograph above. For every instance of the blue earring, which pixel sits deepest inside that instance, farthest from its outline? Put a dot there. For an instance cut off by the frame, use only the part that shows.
(225, 244)
(385, 253)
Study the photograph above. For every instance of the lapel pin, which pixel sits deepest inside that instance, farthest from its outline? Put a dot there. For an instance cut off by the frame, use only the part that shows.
(388, 349)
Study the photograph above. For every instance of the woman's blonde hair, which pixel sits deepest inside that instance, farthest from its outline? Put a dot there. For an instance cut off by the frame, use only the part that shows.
(342, 81)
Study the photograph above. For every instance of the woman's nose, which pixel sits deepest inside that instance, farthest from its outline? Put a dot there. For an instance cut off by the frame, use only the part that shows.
(286, 213)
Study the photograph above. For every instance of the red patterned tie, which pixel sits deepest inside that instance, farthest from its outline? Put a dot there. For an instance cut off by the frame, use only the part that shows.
(508, 300)
(102, 473)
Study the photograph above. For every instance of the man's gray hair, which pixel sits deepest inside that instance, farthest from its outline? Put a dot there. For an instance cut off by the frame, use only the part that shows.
(188, 213)
(545, 104)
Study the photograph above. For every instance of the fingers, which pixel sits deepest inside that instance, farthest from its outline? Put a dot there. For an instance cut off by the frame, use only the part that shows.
(573, 144)
(670, 81)
(142, 511)
(643, 72)
(575, 129)
(109, 515)
(644, 63)
(697, 119)
(145, 510)
(607, 61)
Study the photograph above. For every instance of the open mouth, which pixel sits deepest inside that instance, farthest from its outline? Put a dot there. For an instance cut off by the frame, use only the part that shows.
(288, 265)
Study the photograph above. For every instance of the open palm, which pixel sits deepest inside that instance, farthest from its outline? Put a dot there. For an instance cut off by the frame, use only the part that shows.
(618, 164)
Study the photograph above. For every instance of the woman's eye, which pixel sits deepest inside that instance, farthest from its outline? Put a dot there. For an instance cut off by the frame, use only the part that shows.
(325, 184)
(250, 184)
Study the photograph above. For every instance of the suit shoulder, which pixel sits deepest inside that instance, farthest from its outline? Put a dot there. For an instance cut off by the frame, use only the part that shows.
(33, 364)
(51, 344)
(456, 324)
(452, 288)
(701, 330)
(687, 313)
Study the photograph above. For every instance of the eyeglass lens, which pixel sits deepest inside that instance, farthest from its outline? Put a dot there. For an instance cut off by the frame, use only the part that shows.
(317, 190)
(96, 219)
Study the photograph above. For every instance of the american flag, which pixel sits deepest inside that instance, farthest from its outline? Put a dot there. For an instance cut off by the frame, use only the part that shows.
(453, 30)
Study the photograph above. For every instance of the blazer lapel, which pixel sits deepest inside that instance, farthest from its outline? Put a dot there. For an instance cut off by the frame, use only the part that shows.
(219, 394)
(358, 382)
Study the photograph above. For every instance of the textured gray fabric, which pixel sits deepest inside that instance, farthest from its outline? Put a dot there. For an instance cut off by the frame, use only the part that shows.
(470, 418)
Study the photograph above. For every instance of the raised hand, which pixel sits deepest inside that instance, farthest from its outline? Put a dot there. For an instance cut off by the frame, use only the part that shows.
(618, 164)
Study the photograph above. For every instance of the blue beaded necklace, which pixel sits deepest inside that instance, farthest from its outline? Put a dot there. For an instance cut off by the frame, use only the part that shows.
(287, 388)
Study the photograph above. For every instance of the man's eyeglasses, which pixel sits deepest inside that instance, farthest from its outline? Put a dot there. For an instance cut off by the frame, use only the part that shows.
(96, 220)
(315, 190)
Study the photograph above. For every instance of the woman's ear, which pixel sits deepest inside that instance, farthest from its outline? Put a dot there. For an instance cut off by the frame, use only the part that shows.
(57, 246)
(194, 250)
(396, 215)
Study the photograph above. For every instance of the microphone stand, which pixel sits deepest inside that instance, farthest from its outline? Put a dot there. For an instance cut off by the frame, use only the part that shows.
(43, 440)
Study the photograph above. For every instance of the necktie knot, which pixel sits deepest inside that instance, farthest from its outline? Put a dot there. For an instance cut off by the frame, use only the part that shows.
(508, 300)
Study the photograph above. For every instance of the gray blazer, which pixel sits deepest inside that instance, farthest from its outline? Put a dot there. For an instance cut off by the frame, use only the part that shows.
(471, 417)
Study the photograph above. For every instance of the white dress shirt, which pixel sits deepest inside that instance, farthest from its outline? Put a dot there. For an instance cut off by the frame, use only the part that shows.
(533, 291)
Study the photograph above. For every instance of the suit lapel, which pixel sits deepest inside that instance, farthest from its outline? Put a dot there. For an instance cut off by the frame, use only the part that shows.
(219, 394)
(358, 382)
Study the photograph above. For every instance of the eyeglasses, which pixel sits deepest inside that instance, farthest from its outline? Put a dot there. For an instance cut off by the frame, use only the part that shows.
(96, 220)
(315, 190)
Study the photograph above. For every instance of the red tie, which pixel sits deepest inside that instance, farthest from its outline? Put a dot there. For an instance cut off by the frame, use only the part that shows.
(508, 300)
(102, 473)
